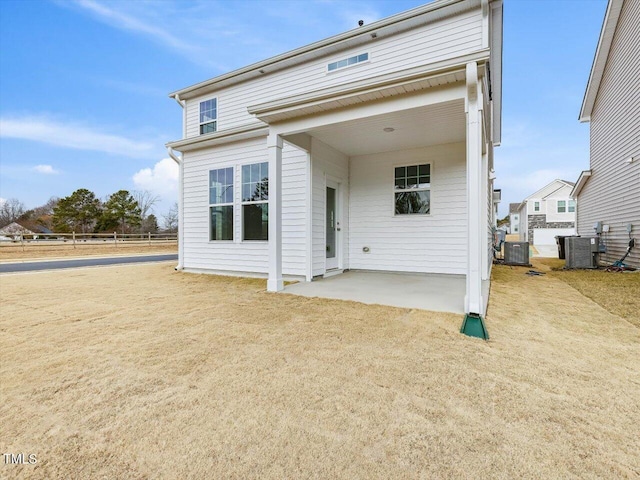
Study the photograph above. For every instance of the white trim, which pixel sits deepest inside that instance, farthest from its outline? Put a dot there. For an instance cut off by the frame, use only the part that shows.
(609, 24)
(339, 69)
(582, 180)
(394, 165)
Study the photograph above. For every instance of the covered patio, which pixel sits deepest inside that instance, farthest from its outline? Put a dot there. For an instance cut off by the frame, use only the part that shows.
(424, 291)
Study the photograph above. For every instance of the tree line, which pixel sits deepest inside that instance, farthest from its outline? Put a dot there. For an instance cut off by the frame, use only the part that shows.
(83, 212)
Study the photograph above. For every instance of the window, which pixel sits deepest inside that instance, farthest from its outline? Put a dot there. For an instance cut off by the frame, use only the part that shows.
(208, 116)
(255, 206)
(221, 204)
(562, 206)
(536, 206)
(363, 57)
(572, 205)
(413, 189)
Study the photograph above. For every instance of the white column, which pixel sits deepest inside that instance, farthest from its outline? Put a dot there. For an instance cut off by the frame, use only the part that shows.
(473, 108)
(181, 214)
(274, 148)
(487, 208)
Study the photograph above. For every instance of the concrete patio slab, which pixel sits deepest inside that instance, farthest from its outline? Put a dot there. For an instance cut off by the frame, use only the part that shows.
(435, 292)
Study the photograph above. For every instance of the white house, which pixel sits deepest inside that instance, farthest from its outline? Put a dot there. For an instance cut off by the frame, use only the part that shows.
(370, 150)
(608, 194)
(547, 213)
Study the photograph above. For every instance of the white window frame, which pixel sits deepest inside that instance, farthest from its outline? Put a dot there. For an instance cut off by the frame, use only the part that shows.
(348, 65)
(536, 206)
(564, 206)
(256, 202)
(570, 205)
(214, 121)
(412, 189)
(223, 204)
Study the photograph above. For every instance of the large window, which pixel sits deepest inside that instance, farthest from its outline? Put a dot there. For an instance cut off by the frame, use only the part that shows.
(221, 204)
(255, 205)
(413, 189)
(208, 116)
(562, 206)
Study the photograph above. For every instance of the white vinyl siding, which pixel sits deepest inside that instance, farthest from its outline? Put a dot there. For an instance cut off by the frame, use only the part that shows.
(328, 162)
(437, 41)
(238, 256)
(612, 193)
(435, 243)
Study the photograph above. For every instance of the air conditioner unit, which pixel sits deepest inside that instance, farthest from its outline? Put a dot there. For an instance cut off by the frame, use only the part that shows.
(516, 253)
(581, 252)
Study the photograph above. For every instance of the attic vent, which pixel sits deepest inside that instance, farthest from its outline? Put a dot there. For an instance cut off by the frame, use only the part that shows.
(363, 57)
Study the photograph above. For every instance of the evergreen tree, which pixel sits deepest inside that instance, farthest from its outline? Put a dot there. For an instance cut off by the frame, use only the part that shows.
(77, 212)
(121, 210)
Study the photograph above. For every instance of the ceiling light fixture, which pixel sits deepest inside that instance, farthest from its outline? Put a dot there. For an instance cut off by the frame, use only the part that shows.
(388, 129)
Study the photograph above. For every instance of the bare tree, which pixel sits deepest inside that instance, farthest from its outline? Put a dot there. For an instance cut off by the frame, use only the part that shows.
(170, 219)
(146, 200)
(10, 211)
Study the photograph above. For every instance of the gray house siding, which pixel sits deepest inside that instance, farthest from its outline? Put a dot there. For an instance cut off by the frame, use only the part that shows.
(612, 193)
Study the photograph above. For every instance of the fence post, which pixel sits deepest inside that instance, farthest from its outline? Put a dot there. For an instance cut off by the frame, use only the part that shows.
(149, 238)
(74, 239)
(115, 238)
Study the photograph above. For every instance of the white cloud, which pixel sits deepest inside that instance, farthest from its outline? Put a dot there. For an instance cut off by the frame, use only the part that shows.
(127, 22)
(45, 169)
(72, 135)
(162, 179)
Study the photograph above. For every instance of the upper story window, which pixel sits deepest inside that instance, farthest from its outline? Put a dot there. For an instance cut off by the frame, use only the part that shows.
(208, 116)
(363, 57)
(413, 189)
(572, 205)
(536, 206)
(562, 206)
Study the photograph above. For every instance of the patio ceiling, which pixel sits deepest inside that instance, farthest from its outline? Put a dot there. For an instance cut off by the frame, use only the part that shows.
(423, 126)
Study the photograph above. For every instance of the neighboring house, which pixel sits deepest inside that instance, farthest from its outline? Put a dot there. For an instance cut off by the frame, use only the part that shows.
(370, 150)
(514, 218)
(13, 231)
(608, 194)
(547, 213)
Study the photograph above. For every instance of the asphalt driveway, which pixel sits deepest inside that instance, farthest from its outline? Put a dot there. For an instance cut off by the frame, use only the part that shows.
(82, 262)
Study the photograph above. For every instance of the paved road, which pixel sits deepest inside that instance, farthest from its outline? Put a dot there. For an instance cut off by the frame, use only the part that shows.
(84, 262)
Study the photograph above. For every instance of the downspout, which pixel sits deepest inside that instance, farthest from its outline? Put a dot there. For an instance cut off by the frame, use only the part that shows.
(180, 163)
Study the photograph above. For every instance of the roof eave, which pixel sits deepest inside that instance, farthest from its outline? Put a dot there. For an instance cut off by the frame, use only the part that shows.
(317, 49)
(580, 183)
(600, 58)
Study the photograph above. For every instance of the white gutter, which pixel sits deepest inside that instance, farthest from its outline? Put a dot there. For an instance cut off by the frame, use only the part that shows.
(180, 163)
(183, 104)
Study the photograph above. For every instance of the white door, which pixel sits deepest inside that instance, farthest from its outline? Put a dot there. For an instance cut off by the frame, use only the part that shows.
(332, 227)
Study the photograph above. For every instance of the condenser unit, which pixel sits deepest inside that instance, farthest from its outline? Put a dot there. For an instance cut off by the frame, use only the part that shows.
(516, 253)
(581, 252)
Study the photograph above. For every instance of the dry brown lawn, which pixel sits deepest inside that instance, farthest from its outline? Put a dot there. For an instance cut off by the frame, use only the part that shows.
(141, 372)
(618, 292)
(14, 251)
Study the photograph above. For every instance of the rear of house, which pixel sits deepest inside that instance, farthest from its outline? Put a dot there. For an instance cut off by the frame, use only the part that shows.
(608, 194)
(370, 150)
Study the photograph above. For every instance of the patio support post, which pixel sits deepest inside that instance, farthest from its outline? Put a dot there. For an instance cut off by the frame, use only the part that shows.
(475, 201)
(274, 148)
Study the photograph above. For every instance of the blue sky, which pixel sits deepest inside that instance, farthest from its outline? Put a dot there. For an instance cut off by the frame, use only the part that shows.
(84, 83)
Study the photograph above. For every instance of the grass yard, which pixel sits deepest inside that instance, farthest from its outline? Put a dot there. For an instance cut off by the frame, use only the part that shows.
(141, 372)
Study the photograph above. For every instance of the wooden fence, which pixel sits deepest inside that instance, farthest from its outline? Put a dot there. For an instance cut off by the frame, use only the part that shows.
(74, 239)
